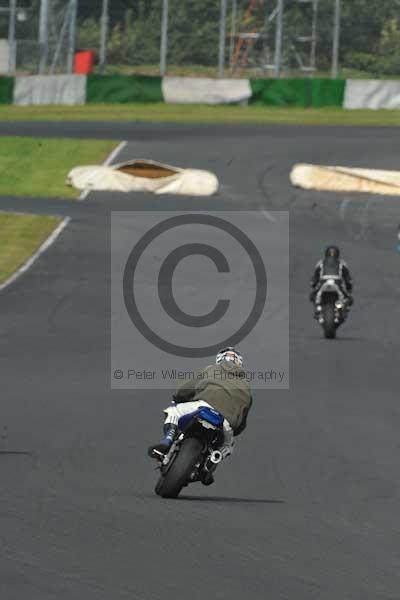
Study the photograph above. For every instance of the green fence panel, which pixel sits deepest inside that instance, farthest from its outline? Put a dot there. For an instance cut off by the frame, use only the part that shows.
(123, 89)
(6, 90)
(328, 92)
(281, 92)
(304, 93)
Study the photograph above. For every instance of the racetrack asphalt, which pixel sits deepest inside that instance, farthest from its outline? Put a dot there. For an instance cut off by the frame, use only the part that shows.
(307, 507)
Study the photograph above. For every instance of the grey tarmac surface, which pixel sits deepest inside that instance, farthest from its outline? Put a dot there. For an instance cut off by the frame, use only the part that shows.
(307, 508)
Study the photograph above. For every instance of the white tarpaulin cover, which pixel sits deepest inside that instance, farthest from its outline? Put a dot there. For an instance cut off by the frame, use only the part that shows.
(54, 89)
(372, 94)
(346, 179)
(195, 90)
(142, 175)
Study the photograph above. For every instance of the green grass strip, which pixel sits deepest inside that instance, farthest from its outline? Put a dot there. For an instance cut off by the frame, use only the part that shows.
(38, 167)
(123, 89)
(170, 113)
(20, 236)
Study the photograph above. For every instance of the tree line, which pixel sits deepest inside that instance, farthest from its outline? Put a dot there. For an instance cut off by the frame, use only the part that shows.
(370, 32)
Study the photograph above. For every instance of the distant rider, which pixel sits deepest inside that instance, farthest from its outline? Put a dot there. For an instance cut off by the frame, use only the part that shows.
(222, 386)
(332, 265)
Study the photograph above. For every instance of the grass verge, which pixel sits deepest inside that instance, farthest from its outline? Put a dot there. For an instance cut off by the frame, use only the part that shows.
(173, 113)
(20, 236)
(38, 167)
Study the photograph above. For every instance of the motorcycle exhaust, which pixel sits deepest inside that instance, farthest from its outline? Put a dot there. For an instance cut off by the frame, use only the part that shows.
(216, 457)
(213, 460)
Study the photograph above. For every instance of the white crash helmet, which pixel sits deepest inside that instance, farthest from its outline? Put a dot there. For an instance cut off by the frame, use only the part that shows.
(230, 356)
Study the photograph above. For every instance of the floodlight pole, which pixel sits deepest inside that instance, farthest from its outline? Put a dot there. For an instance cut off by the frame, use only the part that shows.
(164, 38)
(222, 38)
(73, 7)
(43, 35)
(233, 32)
(11, 37)
(336, 40)
(103, 37)
(278, 38)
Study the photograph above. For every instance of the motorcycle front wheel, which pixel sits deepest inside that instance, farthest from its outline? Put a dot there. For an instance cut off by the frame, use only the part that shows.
(329, 324)
(178, 475)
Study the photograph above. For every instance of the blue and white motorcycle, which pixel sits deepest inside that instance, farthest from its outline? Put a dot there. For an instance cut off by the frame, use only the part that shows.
(194, 455)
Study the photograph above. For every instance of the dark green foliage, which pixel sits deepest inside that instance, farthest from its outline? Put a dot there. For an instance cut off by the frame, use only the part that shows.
(193, 34)
(370, 35)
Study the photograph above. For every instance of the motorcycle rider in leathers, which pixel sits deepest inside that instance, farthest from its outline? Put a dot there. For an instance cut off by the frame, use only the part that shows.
(222, 386)
(333, 265)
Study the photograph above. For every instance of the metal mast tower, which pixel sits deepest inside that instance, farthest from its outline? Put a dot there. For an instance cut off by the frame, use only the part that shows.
(262, 41)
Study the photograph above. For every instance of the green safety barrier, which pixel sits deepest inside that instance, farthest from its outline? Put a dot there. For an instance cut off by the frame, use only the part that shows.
(123, 89)
(6, 90)
(328, 92)
(303, 93)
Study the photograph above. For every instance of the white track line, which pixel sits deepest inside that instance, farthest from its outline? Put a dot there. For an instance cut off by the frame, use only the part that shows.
(268, 216)
(41, 250)
(106, 163)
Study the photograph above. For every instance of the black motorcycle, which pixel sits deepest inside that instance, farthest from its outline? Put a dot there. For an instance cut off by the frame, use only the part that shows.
(194, 455)
(331, 306)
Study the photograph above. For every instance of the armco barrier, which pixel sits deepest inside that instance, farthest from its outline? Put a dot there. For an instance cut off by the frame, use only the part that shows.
(100, 89)
(123, 89)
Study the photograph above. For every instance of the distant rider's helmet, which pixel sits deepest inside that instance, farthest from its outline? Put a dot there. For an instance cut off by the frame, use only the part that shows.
(332, 251)
(230, 357)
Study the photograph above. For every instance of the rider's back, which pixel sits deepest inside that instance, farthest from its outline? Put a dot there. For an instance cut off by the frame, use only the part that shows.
(226, 390)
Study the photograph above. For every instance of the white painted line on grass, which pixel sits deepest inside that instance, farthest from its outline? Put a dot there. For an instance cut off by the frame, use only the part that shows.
(41, 250)
(110, 158)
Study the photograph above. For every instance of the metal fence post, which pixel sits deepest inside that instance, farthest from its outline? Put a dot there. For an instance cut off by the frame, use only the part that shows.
(314, 37)
(336, 40)
(222, 38)
(43, 35)
(103, 37)
(164, 39)
(73, 6)
(233, 33)
(278, 38)
(11, 37)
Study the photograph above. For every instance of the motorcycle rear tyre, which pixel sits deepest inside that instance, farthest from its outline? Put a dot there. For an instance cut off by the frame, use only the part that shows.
(177, 476)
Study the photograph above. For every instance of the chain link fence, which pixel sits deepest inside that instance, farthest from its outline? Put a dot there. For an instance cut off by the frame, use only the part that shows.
(233, 38)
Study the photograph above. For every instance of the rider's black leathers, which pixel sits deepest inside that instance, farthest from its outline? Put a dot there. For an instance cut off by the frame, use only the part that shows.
(335, 267)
